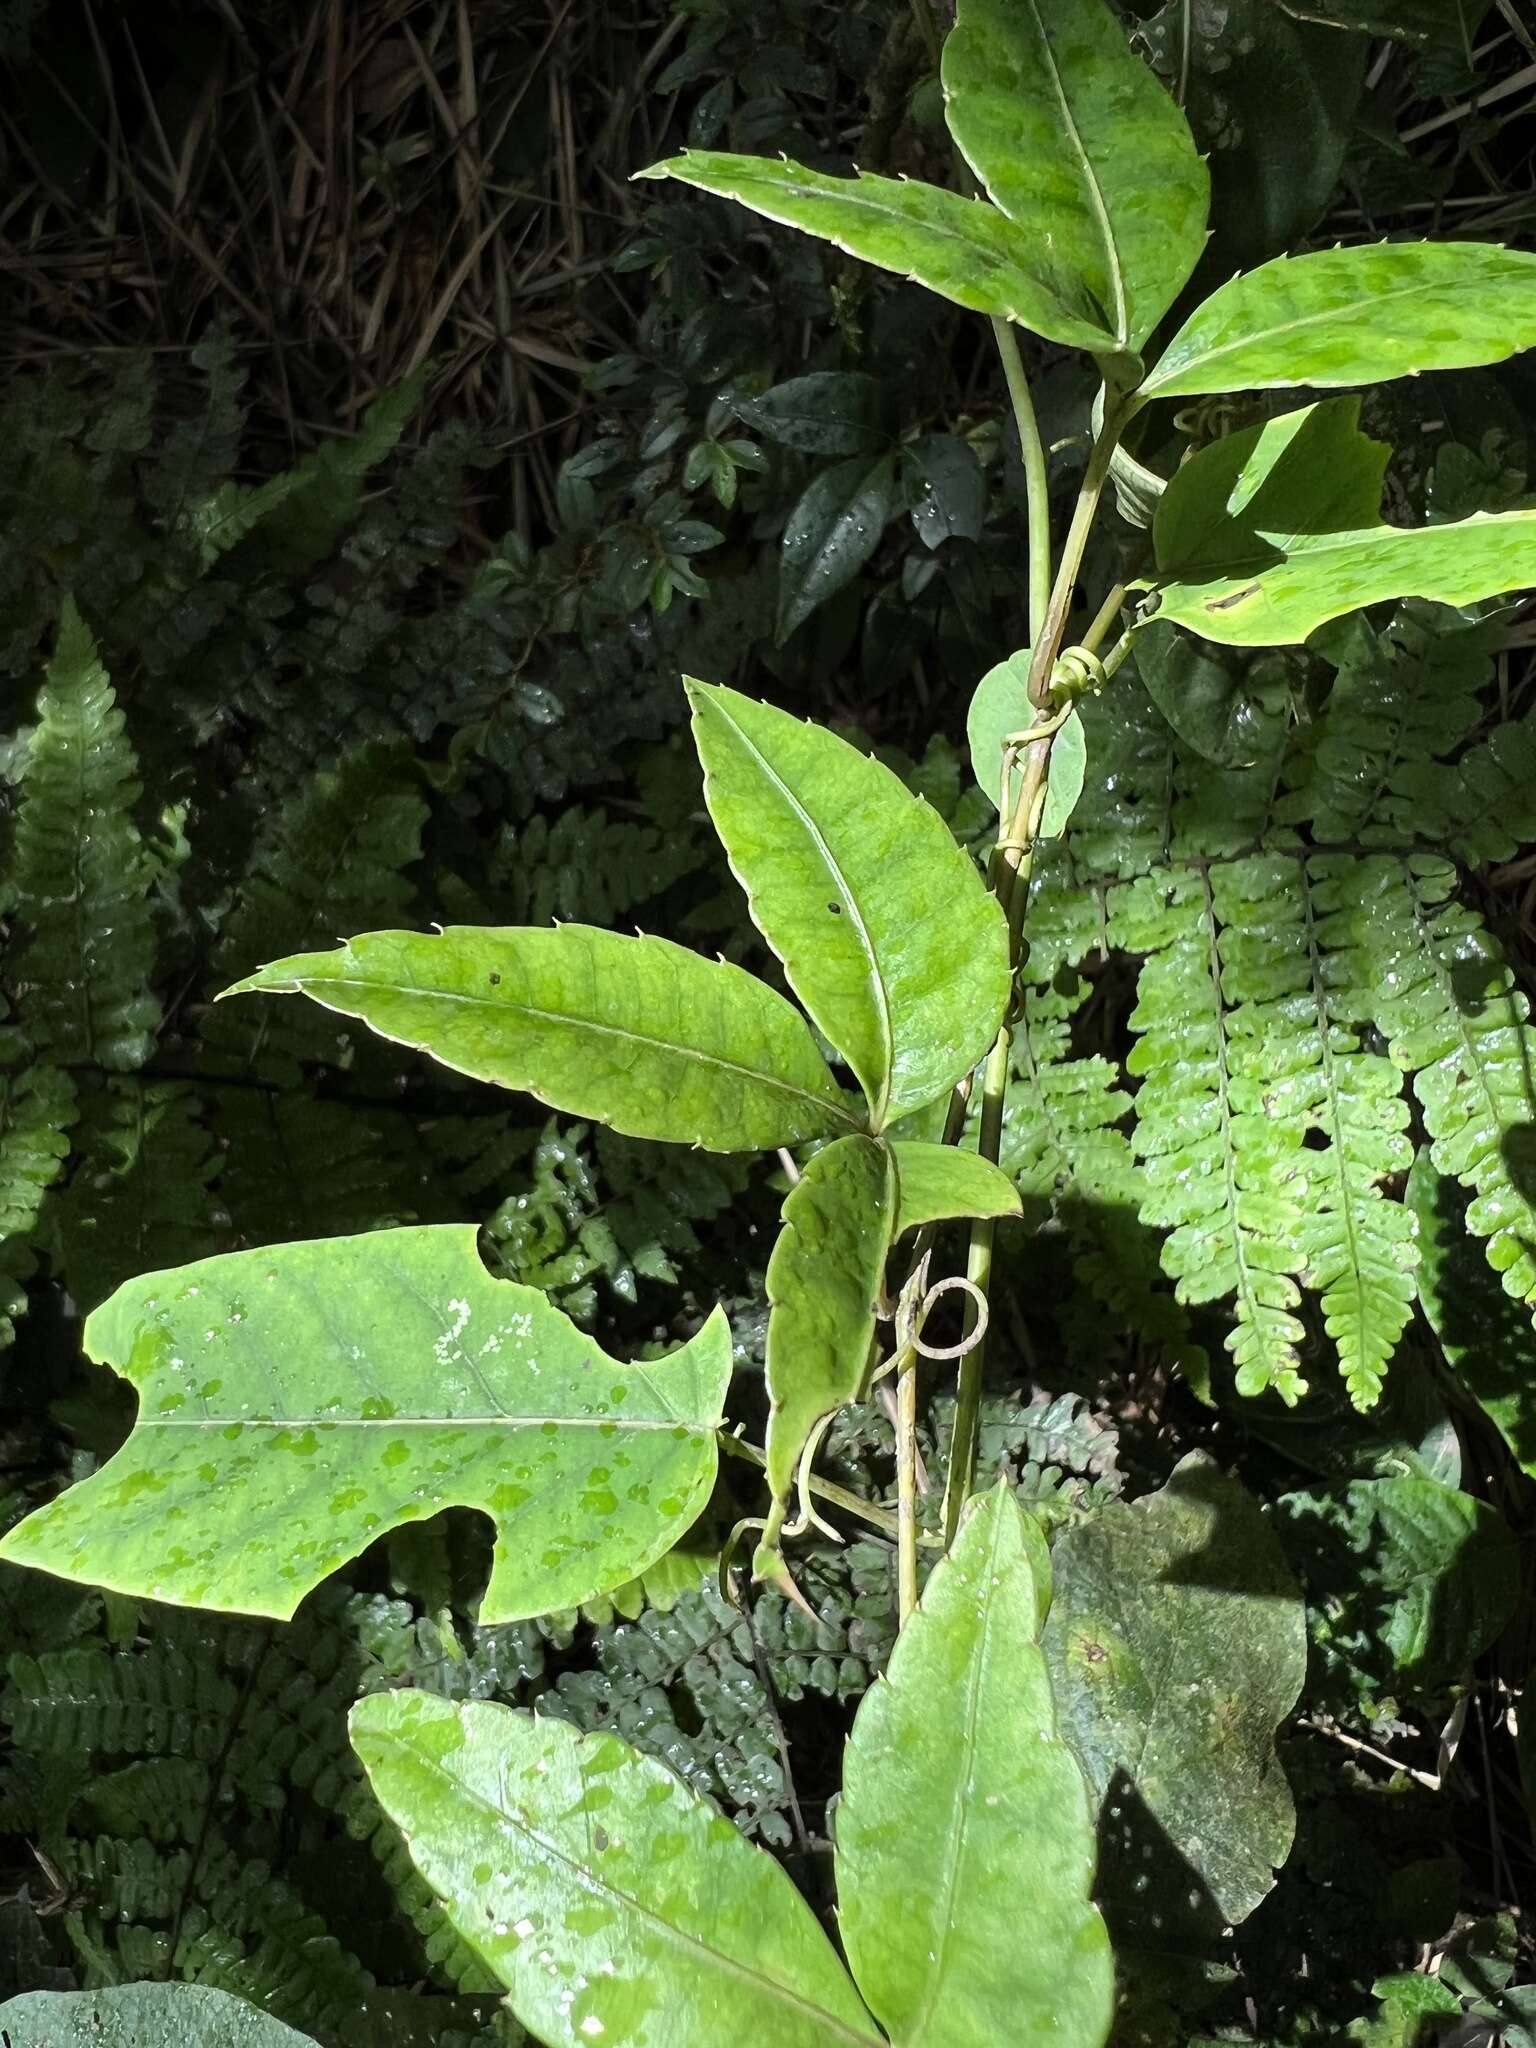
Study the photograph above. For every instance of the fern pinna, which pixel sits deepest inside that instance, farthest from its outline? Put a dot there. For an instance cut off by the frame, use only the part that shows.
(1314, 986)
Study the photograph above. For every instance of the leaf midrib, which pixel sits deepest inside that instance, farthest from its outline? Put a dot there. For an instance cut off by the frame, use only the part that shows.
(1091, 181)
(633, 1426)
(942, 230)
(1259, 336)
(589, 1881)
(1306, 547)
(844, 888)
(302, 985)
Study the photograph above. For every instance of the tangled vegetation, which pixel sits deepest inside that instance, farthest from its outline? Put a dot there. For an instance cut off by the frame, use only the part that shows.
(336, 610)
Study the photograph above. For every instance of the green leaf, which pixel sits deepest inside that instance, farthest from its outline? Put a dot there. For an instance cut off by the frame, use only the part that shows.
(615, 1904)
(636, 1033)
(1069, 766)
(999, 707)
(831, 533)
(1354, 316)
(298, 1402)
(946, 492)
(938, 1182)
(1177, 1644)
(1485, 1335)
(1075, 140)
(829, 412)
(1407, 1580)
(965, 1841)
(141, 2016)
(824, 1280)
(1230, 708)
(883, 925)
(1272, 532)
(963, 249)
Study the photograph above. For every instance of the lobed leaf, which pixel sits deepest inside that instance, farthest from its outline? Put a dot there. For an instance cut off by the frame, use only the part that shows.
(963, 249)
(964, 1836)
(1177, 1643)
(614, 1903)
(885, 930)
(634, 1032)
(1274, 531)
(1076, 141)
(824, 1282)
(298, 1402)
(1354, 316)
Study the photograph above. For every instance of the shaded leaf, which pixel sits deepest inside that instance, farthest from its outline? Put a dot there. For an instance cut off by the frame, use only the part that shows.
(828, 412)
(1273, 100)
(141, 2016)
(1407, 1581)
(1451, 22)
(1228, 707)
(635, 1033)
(1354, 316)
(1074, 138)
(936, 1183)
(962, 249)
(885, 930)
(1274, 531)
(298, 1402)
(1486, 1336)
(831, 533)
(1177, 1644)
(614, 1903)
(965, 1841)
(1069, 767)
(824, 1282)
(946, 492)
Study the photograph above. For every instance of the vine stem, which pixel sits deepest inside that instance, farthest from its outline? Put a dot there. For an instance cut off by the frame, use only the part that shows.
(1037, 492)
(1008, 876)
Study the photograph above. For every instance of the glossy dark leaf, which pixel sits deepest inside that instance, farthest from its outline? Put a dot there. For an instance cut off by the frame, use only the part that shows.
(828, 412)
(1227, 705)
(946, 492)
(831, 533)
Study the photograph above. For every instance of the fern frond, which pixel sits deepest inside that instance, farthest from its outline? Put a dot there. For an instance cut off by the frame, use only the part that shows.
(82, 873)
(1226, 1181)
(1455, 1020)
(37, 1107)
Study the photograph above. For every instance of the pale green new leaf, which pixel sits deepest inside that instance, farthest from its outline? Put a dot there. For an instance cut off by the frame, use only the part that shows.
(615, 1904)
(938, 1182)
(1272, 532)
(962, 249)
(298, 1402)
(1177, 1644)
(1075, 139)
(824, 1283)
(884, 928)
(999, 711)
(965, 1836)
(1354, 316)
(635, 1033)
(142, 2016)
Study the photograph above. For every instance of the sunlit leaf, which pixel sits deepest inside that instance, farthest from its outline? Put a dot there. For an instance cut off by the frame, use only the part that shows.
(962, 249)
(1177, 1644)
(1076, 141)
(937, 1182)
(298, 1402)
(634, 1032)
(886, 933)
(1272, 532)
(141, 2016)
(615, 1904)
(1354, 316)
(823, 1289)
(965, 1840)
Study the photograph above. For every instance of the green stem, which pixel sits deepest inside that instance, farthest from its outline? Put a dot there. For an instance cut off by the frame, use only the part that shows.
(928, 29)
(1009, 876)
(836, 1496)
(1036, 487)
